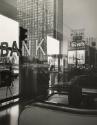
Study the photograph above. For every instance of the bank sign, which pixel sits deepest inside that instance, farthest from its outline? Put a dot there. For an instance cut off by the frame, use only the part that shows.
(9, 40)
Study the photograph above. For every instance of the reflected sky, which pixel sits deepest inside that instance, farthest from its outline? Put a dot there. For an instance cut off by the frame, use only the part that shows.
(79, 14)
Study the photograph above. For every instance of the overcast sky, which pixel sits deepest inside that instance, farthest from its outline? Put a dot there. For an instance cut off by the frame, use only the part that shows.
(77, 14)
(81, 14)
(8, 8)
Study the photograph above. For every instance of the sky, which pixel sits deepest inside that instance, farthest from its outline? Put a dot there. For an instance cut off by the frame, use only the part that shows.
(81, 14)
(8, 8)
(77, 14)
(11, 2)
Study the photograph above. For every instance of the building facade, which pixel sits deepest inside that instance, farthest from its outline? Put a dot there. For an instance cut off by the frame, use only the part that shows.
(82, 51)
(40, 18)
(37, 16)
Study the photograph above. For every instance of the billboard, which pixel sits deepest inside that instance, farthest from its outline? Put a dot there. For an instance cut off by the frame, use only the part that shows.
(9, 42)
(79, 55)
(52, 46)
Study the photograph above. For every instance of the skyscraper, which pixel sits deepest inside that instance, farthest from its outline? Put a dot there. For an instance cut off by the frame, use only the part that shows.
(37, 16)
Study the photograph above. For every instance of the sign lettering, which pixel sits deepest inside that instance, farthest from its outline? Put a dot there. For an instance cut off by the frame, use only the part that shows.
(5, 49)
(38, 46)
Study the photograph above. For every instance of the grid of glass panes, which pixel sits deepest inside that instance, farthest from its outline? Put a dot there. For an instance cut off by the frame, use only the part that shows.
(37, 16)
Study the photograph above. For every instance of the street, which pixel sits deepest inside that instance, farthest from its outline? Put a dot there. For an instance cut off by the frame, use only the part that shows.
(37, 115)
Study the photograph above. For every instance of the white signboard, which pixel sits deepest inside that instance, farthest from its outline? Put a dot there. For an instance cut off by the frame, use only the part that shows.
(9, 37)
(52, 46)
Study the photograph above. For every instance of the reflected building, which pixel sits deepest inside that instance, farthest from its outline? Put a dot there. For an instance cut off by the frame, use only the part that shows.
(82, 50)
(39, 17)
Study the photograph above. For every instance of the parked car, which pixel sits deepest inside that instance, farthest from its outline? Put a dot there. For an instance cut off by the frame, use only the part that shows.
(83, 88)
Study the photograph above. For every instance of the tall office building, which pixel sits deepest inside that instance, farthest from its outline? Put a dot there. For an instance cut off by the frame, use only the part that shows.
(39, 18)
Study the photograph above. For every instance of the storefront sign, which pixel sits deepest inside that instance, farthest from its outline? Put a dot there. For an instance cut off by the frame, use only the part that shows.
(78, 55)
(5, 49)
(39, 46)
(78, 45)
